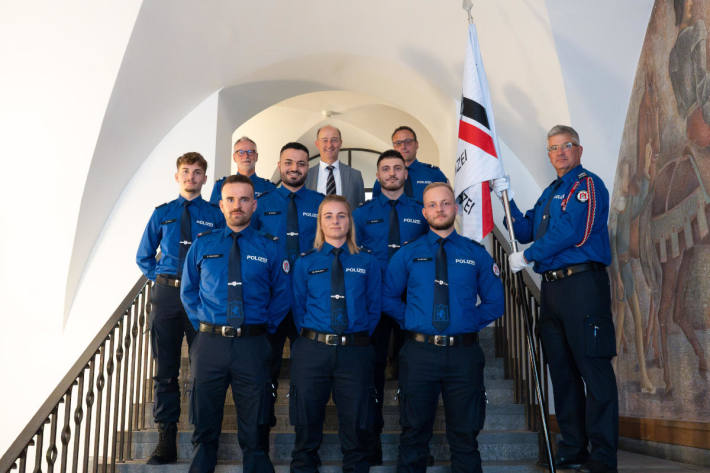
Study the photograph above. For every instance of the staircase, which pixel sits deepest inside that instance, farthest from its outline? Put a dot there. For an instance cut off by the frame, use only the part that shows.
(505, 444)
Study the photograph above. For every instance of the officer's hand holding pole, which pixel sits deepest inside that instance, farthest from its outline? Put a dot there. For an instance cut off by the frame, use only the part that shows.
(500, 185)
(517, 261)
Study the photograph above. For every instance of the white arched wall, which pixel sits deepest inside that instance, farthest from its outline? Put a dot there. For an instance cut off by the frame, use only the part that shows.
(90, 91)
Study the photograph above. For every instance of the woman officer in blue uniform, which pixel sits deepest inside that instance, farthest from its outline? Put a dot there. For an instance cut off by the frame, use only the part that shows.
(337, 299)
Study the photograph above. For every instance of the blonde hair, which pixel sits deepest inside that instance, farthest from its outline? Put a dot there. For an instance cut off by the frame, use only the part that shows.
(350, 237)
(434, 185)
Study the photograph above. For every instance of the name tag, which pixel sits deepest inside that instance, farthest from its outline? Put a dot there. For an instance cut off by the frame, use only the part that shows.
(421, 259)
(376, 220)
(272, 212)
(172, 220)
(318, 271)
(216, 255)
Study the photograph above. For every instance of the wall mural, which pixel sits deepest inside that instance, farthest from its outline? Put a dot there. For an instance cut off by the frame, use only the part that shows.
(659, 222)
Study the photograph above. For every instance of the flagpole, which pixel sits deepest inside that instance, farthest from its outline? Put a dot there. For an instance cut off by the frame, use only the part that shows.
(532, 352)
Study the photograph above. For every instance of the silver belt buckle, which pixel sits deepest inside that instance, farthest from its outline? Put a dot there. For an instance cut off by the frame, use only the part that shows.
(440, 340)
(229, 331)
(331, 339)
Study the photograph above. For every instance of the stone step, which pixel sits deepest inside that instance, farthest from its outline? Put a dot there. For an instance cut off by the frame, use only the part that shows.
(328, 467)
(498, 417)
(508, 445)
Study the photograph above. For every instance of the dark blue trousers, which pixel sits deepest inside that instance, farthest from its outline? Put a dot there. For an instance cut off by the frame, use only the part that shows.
(316, 371)
(456, 372)
(169, 323)
(577, 335)
(218, 362)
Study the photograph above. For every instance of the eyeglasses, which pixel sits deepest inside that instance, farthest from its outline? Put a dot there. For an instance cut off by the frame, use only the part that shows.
(563, 146)
(248, 152)
(399, 143)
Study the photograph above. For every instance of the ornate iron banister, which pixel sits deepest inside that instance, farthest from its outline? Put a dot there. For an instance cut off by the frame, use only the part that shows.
(109, 395)
(511, 341)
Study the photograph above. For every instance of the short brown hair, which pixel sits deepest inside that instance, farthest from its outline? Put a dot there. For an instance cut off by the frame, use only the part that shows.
(434, 185)
(404, 128)
(350, 237)
(192, 157)
(237, 179)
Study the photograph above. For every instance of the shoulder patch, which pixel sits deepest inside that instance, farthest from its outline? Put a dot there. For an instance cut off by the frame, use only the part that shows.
(305, 253)
(583, 196)
(161, 205)
(496, 270)
(201, 234)
(269, 236)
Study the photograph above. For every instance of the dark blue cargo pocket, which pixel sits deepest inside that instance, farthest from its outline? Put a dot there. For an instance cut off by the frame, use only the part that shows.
(599, 338)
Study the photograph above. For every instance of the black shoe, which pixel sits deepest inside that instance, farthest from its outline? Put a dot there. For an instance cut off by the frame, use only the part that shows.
(569, 463)
(166, 450)
(594, 466)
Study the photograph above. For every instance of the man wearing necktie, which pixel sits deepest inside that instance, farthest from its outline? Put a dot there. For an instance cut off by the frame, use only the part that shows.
(288, 212)
(442, 274)
(383, 225)
(235, 290)
(245, 156)
(419, 174)
(570, 248)
(172, 228)
(331, 176)
(336, 289)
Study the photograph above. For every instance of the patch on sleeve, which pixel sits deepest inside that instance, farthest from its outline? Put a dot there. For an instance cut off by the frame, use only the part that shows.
(286, 266)
(496, 270)
(582, 196)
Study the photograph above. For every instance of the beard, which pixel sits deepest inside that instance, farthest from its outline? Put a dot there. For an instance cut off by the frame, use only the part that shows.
(392, 185)
(445, 225)
(293, 181)
(238, 219)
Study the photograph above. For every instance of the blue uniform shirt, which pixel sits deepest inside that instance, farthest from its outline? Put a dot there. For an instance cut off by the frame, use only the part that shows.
(577, 231)
(265, 285)
(372, 223)
(163, 230)
(271, 210)
(261, 185)
(471, 273)
(420, 175)
(311, 290)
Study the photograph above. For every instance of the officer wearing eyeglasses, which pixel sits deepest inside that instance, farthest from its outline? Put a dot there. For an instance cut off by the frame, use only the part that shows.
(442, 274)
(246, 156)
(419, 174)
(235, 289)
(570, 248)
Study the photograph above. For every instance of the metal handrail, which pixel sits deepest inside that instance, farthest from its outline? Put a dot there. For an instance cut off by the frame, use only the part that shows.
(512, 344)
(110, 401)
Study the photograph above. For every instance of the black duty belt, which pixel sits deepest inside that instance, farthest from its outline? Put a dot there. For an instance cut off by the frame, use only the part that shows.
(231, 332)
(167, 281)
(464, 339)
(555, 274)
(359, 339)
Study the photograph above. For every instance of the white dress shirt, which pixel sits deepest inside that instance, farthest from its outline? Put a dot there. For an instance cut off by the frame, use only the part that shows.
(323, 177)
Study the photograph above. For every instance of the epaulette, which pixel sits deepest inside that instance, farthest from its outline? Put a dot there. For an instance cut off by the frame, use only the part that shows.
(214, 205)
(582, 175)
(206, 232)
(161, 205)
(474, 242)
(365, 249)
(264, 193)
(429, 165)
(220, 179)
(269, 236)
(306, 253)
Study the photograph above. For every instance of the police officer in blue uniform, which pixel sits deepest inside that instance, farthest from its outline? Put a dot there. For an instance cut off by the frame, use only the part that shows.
(419, 174)
(289, 212)
(337, 303)
(570, 248)
(384, 224)
(172, 228)
(235, 289)
(442, 274)
(246, 156)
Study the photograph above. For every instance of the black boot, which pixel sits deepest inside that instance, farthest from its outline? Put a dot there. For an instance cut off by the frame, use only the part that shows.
(166, 450)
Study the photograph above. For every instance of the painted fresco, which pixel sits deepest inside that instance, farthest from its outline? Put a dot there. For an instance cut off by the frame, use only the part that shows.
(659, 222)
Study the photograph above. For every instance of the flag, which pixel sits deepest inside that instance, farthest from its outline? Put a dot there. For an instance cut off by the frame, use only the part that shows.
(478, 159)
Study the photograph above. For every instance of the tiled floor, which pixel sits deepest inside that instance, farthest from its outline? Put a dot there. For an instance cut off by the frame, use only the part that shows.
(636, 463)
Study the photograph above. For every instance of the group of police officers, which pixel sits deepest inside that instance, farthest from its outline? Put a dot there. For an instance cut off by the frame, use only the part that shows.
(258, 264)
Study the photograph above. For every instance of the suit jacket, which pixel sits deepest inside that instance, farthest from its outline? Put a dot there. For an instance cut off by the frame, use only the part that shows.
(353, 189)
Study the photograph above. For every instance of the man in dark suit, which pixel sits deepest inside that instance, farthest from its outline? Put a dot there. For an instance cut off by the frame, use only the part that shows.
(331, 176)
